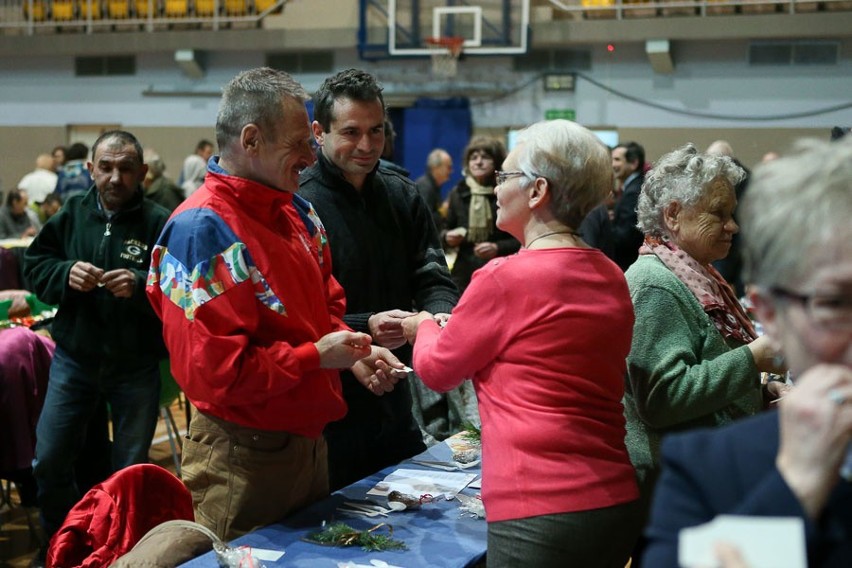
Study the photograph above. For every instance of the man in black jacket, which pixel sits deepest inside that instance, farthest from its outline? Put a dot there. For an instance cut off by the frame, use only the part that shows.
(628, 164)
(91, 259)
(386, 254)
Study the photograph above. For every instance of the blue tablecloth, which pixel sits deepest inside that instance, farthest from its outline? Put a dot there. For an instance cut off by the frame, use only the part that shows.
(436, 535)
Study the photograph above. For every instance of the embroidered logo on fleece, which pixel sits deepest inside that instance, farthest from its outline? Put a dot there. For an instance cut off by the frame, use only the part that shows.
(134, 250)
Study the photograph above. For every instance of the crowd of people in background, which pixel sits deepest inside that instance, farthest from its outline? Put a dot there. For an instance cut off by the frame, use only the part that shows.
(596, 302)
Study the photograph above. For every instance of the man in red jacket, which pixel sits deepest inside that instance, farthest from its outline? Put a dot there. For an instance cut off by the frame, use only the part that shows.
(252, 316)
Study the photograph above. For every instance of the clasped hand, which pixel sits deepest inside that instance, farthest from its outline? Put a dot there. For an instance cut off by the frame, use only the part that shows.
(411, 324)
(85, 277)
(380, 371)
(386, 327)
(374, 367)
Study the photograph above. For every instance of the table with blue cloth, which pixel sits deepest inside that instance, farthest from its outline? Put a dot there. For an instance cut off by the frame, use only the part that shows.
(436, 534)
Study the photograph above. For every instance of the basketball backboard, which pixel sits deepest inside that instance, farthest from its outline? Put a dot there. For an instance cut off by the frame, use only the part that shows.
(489, 27)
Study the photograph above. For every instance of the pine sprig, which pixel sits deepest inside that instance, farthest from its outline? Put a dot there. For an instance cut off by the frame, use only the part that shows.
(471, 432)
(341, 534)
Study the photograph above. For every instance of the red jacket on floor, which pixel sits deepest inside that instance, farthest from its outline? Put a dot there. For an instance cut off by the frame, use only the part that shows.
(111, 518)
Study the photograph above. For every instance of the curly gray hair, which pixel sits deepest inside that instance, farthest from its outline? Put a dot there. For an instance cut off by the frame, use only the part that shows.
(682, 176)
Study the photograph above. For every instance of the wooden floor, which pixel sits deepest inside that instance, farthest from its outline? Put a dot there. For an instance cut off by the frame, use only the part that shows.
(18, 542)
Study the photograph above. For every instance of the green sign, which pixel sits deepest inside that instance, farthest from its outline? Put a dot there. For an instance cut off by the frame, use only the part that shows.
(566, 113)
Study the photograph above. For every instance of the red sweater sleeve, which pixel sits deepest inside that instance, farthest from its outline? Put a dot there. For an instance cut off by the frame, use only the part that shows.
(473, 337)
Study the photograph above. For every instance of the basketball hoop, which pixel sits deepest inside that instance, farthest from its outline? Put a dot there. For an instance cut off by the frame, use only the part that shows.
(445, 53)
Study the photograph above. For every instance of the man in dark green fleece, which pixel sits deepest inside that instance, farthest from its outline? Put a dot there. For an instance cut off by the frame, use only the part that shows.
(91, 259)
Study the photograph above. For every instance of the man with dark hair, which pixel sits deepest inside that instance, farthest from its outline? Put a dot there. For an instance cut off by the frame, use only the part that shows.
(252, 316)
(91, 260)
(50, 206)
(74, 177)
(387, 159)
(17, 220)
(58, 155)
(386, 254)
(628, 164)
(195, 167)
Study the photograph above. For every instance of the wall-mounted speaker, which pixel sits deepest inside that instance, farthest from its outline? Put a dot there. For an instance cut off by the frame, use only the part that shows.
(188, 61)
(659, 54)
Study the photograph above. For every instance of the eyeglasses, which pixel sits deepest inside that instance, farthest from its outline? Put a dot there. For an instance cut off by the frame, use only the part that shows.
(502, 177)
(830, 311)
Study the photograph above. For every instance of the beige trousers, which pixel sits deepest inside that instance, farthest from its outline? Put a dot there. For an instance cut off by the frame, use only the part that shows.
(242, 479)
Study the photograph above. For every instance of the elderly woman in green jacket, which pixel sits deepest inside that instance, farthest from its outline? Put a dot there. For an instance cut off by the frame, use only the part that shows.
(695, 359)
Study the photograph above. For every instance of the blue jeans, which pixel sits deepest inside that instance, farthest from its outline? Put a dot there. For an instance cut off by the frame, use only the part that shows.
(73, 392)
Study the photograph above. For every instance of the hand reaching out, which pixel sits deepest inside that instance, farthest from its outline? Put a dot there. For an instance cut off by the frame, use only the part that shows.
(441, 319)
(766, 358)
(342, 349)
(411, 324)
(386, 327)
(379, 371)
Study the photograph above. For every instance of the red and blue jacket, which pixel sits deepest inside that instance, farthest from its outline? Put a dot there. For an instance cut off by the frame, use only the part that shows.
(241, 278)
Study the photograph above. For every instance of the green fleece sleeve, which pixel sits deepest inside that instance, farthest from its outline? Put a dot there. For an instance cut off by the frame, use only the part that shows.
(679, 367)
(46, 265)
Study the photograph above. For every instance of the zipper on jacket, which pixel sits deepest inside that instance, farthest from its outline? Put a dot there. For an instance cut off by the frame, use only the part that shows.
(101, 255)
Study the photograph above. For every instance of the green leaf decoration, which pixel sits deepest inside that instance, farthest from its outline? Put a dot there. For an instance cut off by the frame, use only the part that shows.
(341, 534)
(471, 432)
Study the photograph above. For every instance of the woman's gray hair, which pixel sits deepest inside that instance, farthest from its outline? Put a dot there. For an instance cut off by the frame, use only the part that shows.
(575, 163)
(682, 176)
(255, 96)
(794, 207)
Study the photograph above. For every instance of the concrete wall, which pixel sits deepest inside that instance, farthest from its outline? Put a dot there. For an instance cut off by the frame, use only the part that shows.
(41, 99)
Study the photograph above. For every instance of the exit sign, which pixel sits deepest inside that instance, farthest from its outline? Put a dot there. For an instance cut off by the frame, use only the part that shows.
(566, 113)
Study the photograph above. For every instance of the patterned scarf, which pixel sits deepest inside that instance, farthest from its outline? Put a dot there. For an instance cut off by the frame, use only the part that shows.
(480, 222)
(714, 294)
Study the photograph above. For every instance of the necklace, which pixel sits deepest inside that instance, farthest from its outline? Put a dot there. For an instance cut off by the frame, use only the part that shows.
(550, 234)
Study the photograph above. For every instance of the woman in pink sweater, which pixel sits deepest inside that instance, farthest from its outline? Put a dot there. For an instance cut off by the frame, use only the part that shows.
(544, 334)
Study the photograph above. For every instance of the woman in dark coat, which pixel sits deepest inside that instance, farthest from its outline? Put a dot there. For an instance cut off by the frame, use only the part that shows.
(473, 210)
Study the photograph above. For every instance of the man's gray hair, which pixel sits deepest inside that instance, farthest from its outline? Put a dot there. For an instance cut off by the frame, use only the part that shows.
(575, 163)
(681, 176)
(255, 96)
(436, 158)
(156, 165)
(795, 207)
